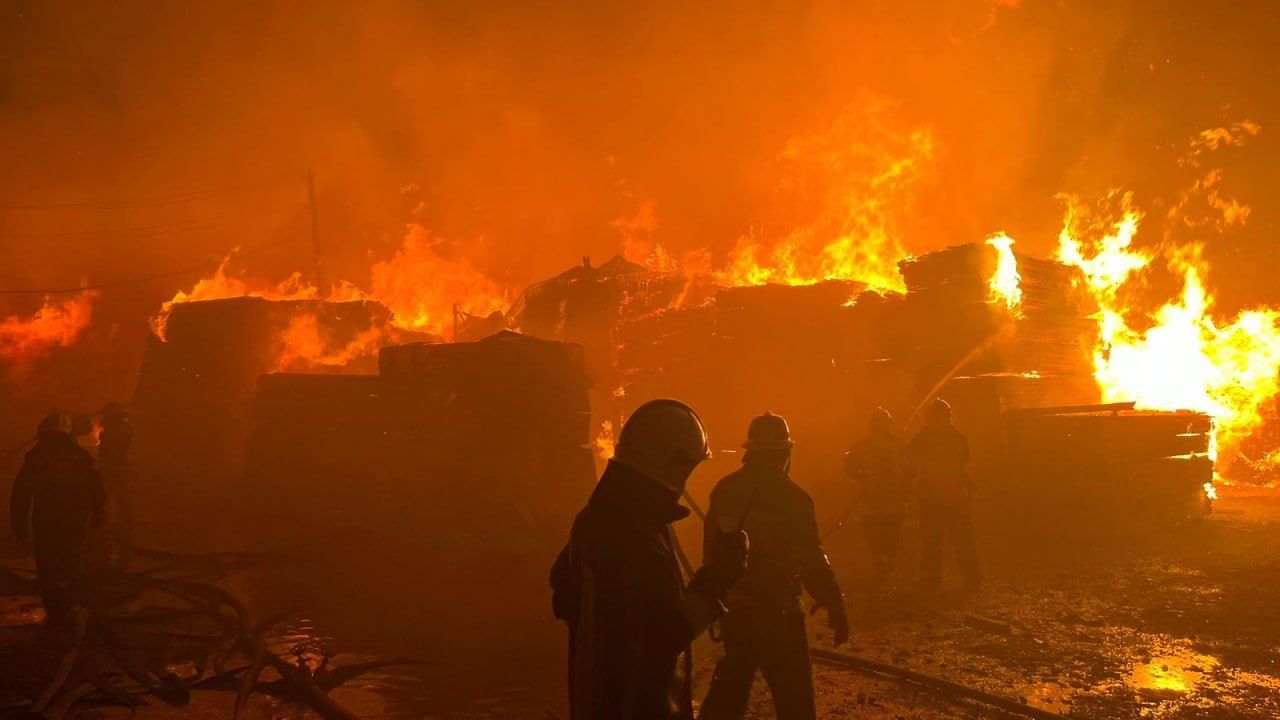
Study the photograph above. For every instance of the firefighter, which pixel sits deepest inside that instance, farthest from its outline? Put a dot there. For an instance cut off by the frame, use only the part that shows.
(765, 625)
(113, 463)
(58, 497)
(618, 585)
(874, 463)
(939, 453)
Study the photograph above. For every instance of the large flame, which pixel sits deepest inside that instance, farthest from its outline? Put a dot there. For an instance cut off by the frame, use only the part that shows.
(23, 340)
(303, 347)
(222, 285)
(418, 285)
(1005, 284)
(421, 287)
(1180, 356)
(864, 171)
(856, 182)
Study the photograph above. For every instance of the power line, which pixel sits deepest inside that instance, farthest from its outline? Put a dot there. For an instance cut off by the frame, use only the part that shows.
(146, 202)
(136, 230)
(112, 284)
(113, 204)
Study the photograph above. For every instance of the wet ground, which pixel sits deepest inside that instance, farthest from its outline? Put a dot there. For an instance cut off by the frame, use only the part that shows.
(1174, 625)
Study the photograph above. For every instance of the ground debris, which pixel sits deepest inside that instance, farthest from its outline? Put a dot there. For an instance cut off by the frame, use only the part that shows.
(163, 632)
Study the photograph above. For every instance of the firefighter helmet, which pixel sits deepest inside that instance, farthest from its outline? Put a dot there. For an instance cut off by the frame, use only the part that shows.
(938, 412)
(768, 432)
(55, 422)
(663, 440)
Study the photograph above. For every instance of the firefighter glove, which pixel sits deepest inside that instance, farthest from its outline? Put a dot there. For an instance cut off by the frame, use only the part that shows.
(725, 566)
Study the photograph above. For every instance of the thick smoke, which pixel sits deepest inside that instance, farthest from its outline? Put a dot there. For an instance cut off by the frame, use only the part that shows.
(140, 138)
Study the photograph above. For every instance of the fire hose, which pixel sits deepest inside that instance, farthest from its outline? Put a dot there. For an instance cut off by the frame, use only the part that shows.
(1004, 704)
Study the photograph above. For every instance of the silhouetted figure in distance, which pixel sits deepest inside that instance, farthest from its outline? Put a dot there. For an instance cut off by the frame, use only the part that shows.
(618, 584)
(765, 628)
(58, 497)
(939, 454)
(875, 464)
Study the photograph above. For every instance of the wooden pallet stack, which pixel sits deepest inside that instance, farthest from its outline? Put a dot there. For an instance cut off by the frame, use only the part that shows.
(1037, 353)
(505, 391)
(193, 402)
(477, 440)
(1113, 464)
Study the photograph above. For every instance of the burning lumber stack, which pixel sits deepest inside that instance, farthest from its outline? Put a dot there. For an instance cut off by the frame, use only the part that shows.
(584, 305)
(192, 404)
(1111, 463)
(669, 340)
(815, 353)
(1030, 351)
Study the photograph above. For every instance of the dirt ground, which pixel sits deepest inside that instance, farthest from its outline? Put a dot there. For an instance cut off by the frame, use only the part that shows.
(1177, 624)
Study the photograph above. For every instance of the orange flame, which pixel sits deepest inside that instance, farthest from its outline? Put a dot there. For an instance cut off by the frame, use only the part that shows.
(1005, 284)
(23, 340)
(1184, 358)
(866, 169)
(302, 347)
(221, 285)
(420, 287)
(859, 177)
(604, 442)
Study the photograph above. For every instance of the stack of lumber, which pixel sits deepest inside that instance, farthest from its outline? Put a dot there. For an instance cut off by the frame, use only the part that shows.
(507, 390)
(193, 402)
(782, 313)
(668, 340)
(952, 309)
(1111, 462)
(585, 303)
(991, 358)
(482, 443)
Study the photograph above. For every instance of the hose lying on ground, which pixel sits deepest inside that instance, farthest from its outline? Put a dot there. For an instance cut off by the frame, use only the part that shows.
(853, 662)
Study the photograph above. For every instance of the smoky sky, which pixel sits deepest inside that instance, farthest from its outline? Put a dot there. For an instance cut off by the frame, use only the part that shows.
(518, 131)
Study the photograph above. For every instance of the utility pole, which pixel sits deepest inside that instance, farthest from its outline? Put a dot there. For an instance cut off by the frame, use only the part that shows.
(321, 286)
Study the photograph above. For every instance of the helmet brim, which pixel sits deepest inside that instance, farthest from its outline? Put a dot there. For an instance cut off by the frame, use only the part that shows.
(769, 444)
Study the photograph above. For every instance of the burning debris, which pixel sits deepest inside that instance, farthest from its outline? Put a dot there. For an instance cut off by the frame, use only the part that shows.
(396, 284)
(1180, 356)
(206, 370)
(995, 331)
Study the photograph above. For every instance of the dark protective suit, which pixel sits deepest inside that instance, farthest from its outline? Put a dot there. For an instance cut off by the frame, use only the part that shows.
(617, 584)
(940, 453)
(58, 495)
(765, 627)
(875, 463)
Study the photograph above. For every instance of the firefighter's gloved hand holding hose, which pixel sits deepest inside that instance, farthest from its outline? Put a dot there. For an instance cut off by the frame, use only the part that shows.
(837, 618)
(724, 568)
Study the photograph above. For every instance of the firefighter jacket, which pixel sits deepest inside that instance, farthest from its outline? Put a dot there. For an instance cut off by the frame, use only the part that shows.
(940, 453)
(875, 463)
(57, 493)
(618, 586)
(786, 552)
